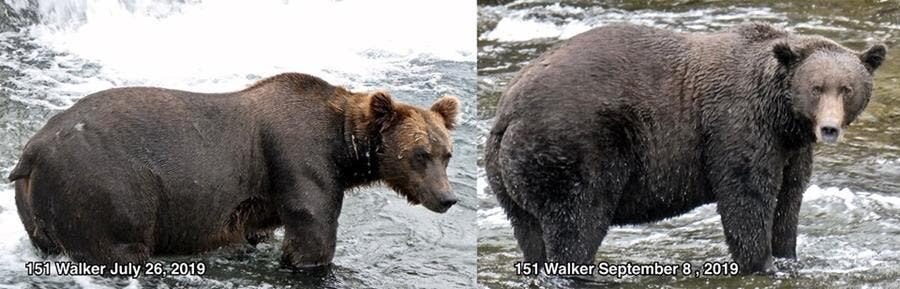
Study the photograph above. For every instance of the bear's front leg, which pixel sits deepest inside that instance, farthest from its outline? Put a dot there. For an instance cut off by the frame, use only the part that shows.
(787, 211)
(310, 217)
(747, 211)
(746, 186)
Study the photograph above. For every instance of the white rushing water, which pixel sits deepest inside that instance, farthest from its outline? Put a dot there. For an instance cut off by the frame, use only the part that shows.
(82, 46)
(815, 201)
(561, 22)
(216, 45)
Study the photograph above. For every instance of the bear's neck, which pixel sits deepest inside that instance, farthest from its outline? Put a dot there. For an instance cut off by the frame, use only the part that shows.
(358, 158)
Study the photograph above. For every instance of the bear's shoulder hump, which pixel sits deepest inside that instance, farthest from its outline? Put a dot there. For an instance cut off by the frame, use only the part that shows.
(759, 31)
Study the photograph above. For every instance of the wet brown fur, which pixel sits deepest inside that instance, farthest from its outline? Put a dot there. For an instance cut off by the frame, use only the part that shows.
(177, 172)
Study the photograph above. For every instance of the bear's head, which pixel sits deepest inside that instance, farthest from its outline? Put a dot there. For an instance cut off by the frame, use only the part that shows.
(830, 84)
(416, 148)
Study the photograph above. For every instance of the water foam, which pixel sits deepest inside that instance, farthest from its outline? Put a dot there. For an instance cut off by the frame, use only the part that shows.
(815, 196)
(562, 22)
(216, 45)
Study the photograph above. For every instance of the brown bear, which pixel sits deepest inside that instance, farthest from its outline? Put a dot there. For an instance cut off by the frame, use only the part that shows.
(128, 173)
(627, 124)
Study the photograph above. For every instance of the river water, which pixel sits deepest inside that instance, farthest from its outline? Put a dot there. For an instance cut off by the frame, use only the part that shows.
(850, 218)
(54, 52)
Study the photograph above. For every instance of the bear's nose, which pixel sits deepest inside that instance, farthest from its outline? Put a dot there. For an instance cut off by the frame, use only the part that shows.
(830, 133)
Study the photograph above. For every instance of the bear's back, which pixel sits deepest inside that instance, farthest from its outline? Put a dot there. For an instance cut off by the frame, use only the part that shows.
(610, 69)
(163, 130)
(625, 67)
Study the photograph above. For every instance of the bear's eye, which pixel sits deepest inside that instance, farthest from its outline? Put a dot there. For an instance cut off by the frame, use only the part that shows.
(846, 90)
(817, 90)
(422, 155)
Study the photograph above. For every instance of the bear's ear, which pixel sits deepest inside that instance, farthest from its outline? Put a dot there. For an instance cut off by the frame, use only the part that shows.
(873, 57)
(447, 107)
(785, 55)
(381, 105)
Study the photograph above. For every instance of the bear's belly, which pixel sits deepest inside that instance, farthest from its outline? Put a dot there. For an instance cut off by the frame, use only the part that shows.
(191, 225)
(668, 184)
(642, 207)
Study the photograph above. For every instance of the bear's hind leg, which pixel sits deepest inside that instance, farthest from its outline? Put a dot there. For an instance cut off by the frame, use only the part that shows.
(573, 232)
(526, 225)
(579, 208)
(107, 252)
(34, 225)
(526, 228)
(115, 232)
(135, 253)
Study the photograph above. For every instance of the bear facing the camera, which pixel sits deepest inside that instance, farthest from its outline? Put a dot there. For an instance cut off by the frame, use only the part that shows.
(627, 124)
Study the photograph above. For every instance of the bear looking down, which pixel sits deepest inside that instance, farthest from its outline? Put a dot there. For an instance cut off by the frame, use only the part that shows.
(627, 124)
(127, 173)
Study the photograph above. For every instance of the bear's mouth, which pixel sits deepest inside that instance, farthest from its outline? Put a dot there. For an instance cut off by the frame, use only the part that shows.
(411, 199)
(435, 202)
(440, 207)
(438, 203)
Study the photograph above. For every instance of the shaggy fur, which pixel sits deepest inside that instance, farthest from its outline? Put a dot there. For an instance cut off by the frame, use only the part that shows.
(627, 124)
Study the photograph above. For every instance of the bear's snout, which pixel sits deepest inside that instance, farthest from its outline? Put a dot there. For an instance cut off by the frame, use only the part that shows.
(829, 117)
(442, 202)
(440, 199)
(436, 193)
